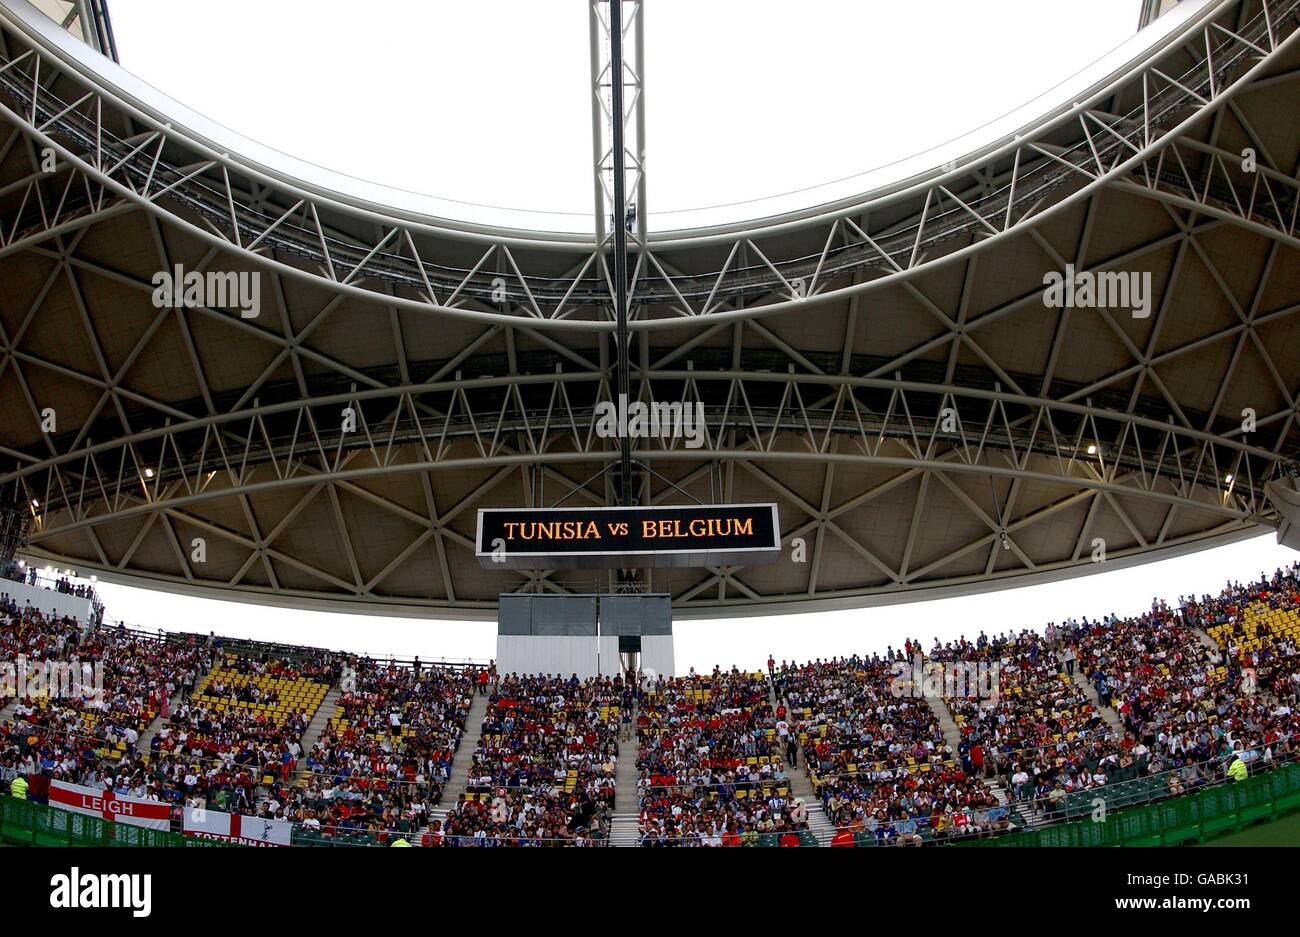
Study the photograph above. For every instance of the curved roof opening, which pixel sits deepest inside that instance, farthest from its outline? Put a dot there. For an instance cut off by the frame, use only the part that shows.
(966, 318)
(750, 110)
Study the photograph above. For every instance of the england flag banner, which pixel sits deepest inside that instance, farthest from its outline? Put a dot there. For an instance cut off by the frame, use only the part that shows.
(110, 806)
(233, 828)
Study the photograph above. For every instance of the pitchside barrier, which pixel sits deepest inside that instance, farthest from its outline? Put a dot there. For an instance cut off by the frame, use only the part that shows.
(27, 823)
(1187, 818)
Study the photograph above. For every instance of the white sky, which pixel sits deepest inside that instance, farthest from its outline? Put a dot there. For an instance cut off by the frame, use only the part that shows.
(487, 103)
(742, 641)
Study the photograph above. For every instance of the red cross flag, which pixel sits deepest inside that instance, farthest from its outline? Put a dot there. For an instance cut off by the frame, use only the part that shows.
(233, 828)
(116, 807)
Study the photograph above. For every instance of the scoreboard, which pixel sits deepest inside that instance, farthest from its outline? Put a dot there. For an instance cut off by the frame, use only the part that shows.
(618, 537)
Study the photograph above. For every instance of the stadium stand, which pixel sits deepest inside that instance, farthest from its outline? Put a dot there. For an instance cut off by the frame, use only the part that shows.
(878, 757)
(1184, 697)
(544, 770)
(90, 737)
(386, 753)
(1041, 738)
(241, 729)
(710, 764)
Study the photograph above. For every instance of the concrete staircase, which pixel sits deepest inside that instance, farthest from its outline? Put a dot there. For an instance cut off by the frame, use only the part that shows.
(1208, 641)
(146, 737)
(1108, 715)
(819, 823)
(316, 728)
(463, 758)
(999, 790)
(801, 786)
(625, 777)
(951, 734)
(624, 829)
(7, 710)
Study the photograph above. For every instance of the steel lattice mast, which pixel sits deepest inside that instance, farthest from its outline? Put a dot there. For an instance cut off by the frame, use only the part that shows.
(619, 208)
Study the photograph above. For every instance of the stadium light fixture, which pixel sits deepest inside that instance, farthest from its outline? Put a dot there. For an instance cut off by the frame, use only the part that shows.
(1092, 449)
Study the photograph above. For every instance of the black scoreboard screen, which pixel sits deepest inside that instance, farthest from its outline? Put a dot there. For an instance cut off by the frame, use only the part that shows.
(616, 537)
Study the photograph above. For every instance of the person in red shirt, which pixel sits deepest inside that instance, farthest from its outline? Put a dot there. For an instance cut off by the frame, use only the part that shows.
(843, 837)
(38, 788)
(790, 838)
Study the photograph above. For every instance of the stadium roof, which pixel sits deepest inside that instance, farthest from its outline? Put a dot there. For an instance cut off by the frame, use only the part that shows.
(831, 347)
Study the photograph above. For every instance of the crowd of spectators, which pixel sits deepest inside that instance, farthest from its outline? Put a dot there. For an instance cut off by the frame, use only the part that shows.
(1200, 687)
(876, 753)
(1188, 708)
(27, 631)
(382, 762)
(1040, 734)
(710, 763)
(1256, 626)
(544, 770)
(239, 737)
(90, 736)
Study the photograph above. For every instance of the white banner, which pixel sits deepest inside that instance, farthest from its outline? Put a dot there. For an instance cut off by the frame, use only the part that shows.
(117, 807)
(233, 828)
